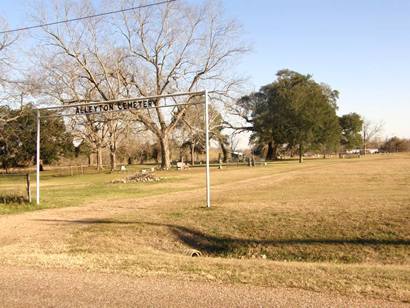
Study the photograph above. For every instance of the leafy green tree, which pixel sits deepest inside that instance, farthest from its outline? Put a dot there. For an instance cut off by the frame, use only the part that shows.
(351, 126)
(329, 135)
(18, 138)
(268, 120)
(9, 141)
(330, 131)
(294, 110)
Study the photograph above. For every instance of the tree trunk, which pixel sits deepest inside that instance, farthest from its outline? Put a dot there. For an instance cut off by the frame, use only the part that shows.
(272, 153)
(275, 152)
(113, 160)
(192, 154)
(165, 153)
(224, 152)
(269, 153)
(300, 153)
(90, 159)
(99, 159)
(113, 156)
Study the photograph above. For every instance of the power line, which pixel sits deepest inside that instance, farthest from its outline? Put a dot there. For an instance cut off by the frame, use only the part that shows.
(86, 17)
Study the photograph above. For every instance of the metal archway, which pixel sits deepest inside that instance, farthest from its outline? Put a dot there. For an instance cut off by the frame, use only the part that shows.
(121, 106)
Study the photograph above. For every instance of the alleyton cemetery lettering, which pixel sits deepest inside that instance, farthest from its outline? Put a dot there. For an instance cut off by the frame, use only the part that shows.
(118, 106)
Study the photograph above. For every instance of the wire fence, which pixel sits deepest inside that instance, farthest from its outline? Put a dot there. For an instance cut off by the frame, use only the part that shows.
(75, 170)
(15, 188)
(59, 170)
(18, 185)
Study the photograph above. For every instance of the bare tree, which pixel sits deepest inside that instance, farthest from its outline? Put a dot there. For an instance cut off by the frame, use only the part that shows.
(93, 130)
(6, 41)
(79, 62)
(152, 51)
(234, 141)
(192, 130)
(241, 112)
(370, 130)
(176, 48)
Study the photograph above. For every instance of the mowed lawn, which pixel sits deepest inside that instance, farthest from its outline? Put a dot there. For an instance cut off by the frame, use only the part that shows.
(326, 225)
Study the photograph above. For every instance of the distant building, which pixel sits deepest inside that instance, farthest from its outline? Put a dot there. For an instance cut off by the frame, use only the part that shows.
(361, 151)
(372, 151)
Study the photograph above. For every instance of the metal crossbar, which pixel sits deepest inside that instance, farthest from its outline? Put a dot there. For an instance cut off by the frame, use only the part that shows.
(114, 111)
(140, 98)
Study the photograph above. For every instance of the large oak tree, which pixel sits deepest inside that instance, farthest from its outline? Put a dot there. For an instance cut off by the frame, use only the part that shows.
(293, 110)
(174, 47)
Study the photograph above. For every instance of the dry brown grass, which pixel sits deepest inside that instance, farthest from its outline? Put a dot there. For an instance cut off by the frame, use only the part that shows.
(328, 225)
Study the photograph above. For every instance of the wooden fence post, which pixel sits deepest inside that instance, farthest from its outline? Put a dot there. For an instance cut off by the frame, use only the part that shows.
(28, 187)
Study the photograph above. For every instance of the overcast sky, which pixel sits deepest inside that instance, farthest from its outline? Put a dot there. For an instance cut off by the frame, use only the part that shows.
(361, 48)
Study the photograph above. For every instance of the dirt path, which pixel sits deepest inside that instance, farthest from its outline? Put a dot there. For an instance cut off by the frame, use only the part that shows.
(23, 287)
(23, 283)
(47, 227)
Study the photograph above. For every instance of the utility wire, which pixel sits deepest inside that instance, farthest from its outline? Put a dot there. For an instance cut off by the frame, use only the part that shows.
(86, 17)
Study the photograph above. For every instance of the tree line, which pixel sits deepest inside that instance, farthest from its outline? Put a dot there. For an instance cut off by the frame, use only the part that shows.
(299, 114)
(292, 114)
(174, 47)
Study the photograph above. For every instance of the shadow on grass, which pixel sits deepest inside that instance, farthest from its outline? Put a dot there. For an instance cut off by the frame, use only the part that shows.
(222, 245)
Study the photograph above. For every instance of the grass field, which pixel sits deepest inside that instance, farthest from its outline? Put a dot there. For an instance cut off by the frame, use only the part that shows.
(326, 225)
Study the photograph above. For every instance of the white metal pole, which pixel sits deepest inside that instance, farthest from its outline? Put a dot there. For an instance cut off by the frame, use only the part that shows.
(208, 175)
(38, 159)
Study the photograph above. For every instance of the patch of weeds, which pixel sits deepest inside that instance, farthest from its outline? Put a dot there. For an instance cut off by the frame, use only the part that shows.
(12, 199)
